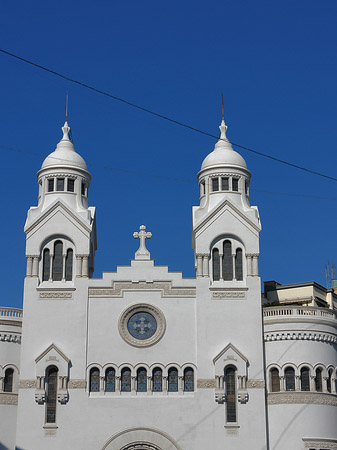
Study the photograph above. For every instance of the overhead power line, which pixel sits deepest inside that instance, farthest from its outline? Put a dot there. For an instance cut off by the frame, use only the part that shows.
(161, 116)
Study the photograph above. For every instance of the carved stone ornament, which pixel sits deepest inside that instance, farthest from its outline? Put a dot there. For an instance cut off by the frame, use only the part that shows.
(40, 396)
(318, 444)
(313, 398)
(243, 397)
(220, 295)
(10, 337)
(204, 383)
(255, 384)
(27, 384)
(166, 288)
(56, 295)
(7, 398)
(76, 384)
(220, 397)
(301, 336)
(62, 397)
(142, 325)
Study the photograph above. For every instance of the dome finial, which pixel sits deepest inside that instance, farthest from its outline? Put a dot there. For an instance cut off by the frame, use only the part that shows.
(66, 127)
(223, 127)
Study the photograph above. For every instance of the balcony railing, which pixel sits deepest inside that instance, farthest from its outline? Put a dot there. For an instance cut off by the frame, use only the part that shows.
(14, 313)
(278, 311)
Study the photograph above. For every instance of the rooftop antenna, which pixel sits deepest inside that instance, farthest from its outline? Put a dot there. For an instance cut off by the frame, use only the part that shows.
(67, 107)
(223, 111)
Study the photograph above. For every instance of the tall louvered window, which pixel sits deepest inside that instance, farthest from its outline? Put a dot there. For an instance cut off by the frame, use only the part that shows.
(157, 380)
(305, 379)
(275, 380)
(172, 380)
(69, 265)
(141, 380)
(216, 265)
(230, 389)
(46, 265)
(51, 394)
(235, 184)
(110, 380)
(238, 265)
(60, 184)
(289, 374)
(227, 261)
(58, 261)
(8, 380)
(318, 380)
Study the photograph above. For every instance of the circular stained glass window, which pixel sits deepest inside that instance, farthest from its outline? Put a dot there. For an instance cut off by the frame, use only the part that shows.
(142, 325)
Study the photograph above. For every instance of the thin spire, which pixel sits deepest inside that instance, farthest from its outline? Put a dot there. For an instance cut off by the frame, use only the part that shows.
(223, 109)
(67, 107)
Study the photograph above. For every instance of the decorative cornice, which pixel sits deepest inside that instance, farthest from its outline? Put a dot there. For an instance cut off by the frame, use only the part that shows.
(60, 174)
(77, 384)
(255, 384)
(27, 384)
(119, 287)
(304, 336)
(10, 337)
(299, 398)
(8, 398)
(204, 383)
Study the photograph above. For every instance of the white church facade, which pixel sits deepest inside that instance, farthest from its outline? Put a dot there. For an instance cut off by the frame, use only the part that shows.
(106, 363)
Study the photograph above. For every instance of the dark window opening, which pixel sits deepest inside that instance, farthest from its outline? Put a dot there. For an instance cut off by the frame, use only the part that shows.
(69, 265)
(141, 380)
(58, 261)
(60, 184)
(227, 261)
(290, 379)
(173, 380)
(188, 380)
(275, 380)
(50, 184)
(235, 184)
(230, 394)
(318, 380)
(216, 265)
(110, 380)
(215, 184)
(157, 380)
(225, 184)
(94, 380)
(46, 265)
(305, 379)
(126, 380)
(83, 189)
(71, 185)
(8, 380)
(51, 396)
(238, 265)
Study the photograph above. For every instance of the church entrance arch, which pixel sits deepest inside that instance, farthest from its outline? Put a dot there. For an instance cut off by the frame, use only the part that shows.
(141, 438)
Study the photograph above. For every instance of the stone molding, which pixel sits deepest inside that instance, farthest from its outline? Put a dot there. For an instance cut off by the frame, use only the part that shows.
(8, 398)
(56, 295)
(166, 288)
(320, 443)
(61, 174)
(141, 307)
(10, 337)
(77, 384)
(204, 383)
(140, 446)
(327, 338)
(230, 294)
(27, 384)
(300, 398)
(255, 384)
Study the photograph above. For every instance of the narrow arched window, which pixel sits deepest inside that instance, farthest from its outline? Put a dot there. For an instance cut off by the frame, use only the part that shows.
(227, 261)
(318, 380)
(305, 379)
(238, 265)
(126, 380)
(46, 265)
(188, 379)
(110, 380)
(141, 380)
(216, 264)
(94, 380)
(172, 380)
(289, 374)
(157, 380)
(230, 390)
(275, 380)
(58, 261)
(51, 394)
(328, 381)
(69, 265)
(8, 380)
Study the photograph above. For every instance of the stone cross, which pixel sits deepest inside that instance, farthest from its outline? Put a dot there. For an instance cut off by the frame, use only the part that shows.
(142, 252)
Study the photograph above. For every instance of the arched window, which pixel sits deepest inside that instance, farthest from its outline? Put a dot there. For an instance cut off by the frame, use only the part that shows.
(58, 261)
(126, 380)
(51, 394)
(318, 380)
(46, 265)
(227, 261)
(94, 380)
(172, 380)
(110, 380)
(188, 379)
(275, 380)
(157, 380)
(289, 374)
(8, 380)
(238, 265)
(216, 265)
(328, 381)
(230, 390)
(305, 379)
(141, 380)
(69, 265)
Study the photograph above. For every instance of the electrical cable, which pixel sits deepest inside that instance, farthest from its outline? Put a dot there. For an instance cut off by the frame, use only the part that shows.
(133, 105)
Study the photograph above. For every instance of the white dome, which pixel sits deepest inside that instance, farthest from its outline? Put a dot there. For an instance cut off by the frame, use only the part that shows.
(223, 153)
(64, 154)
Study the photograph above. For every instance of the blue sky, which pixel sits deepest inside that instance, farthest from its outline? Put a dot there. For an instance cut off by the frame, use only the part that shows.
(275, 63)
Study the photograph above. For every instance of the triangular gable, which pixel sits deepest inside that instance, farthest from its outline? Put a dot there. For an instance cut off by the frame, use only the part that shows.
(233, 349)
(225, 203)
(54, 207)
(52, 349)
(230, 355)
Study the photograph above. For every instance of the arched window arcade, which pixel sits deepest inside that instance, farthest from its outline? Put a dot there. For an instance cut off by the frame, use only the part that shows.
(227, 257)
(57, 260)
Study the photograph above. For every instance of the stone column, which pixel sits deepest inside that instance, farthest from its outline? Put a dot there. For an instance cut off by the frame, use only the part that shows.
(249, 265)
(282, 384)
(29, 266)
(180, 384)
(35, 270)
(255, 265)
(64, 267)
(199, 265)
(117, 384)
(101, 383)
(325, 387)
(205, 265)
(297, 383)
(85, 266)
(149, 385)
(312, 383)
(220, 264)
(78, 266)
(133, 384)
(165, 384)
